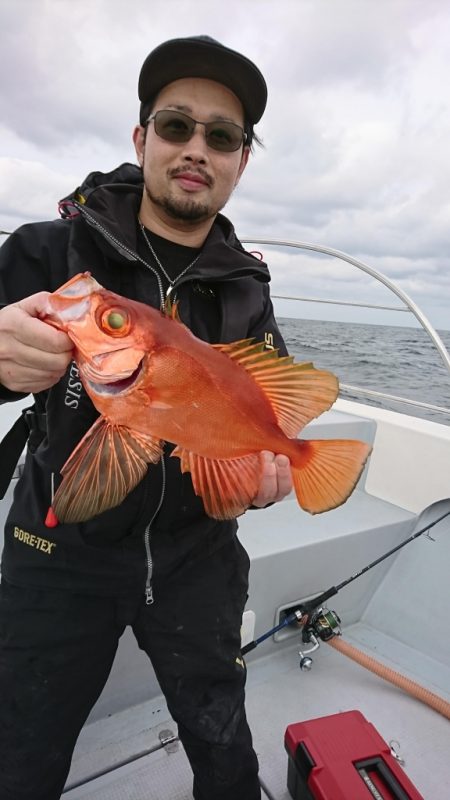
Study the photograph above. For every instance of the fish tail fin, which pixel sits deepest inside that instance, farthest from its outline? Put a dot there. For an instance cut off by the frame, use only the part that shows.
(326, 471)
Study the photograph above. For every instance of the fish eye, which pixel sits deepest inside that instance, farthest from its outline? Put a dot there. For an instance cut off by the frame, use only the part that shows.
(115, 321)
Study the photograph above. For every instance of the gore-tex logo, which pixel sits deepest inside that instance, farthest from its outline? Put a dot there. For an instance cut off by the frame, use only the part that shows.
(44, 545)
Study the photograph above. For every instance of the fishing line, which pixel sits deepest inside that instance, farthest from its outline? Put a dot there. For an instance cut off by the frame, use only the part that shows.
(300, 614)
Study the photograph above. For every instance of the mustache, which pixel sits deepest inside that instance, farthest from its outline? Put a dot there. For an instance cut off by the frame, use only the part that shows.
(195, 171)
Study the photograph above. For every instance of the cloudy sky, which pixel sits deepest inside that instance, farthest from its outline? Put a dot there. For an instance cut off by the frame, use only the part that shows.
(356, 133)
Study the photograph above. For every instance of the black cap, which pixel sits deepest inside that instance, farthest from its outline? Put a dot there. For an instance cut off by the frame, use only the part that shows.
(204, 57)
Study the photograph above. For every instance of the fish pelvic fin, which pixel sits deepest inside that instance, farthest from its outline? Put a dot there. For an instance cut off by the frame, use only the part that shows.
(226, 486)
(105, 466)
(297, 392)
(326, 472)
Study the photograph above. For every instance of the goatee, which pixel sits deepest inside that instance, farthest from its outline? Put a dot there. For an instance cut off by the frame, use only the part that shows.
(185, 210)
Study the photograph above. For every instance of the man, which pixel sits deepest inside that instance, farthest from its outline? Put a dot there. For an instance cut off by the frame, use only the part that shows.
(157, 562)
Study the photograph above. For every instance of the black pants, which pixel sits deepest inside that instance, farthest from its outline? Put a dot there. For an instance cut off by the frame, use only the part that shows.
(56, 652)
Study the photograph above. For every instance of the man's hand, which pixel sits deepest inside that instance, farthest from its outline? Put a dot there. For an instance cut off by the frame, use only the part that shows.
(276, 480)
(33, 355)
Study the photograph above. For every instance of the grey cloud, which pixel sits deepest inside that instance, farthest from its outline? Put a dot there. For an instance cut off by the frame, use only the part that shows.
(356, 130)
(75, 72)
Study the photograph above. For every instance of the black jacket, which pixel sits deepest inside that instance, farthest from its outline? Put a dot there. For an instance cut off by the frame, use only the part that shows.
(225, 297)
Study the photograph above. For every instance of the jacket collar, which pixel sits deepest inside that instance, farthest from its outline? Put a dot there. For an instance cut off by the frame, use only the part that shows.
(109, 203)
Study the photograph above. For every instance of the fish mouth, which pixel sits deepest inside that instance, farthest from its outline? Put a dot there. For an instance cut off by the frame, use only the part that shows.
(119, 386)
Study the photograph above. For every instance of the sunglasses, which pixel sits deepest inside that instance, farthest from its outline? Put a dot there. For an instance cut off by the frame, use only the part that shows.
(173, 126)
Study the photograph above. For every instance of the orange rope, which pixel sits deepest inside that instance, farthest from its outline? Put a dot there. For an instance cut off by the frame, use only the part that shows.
(413, 688)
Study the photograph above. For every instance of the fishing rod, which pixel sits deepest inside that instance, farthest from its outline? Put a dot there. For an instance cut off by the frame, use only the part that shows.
(319, 623)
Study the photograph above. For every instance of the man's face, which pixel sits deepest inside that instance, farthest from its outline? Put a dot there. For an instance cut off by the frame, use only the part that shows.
(190, 181)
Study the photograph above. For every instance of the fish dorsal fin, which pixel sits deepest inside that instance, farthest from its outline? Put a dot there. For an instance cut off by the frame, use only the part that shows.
(171, 309)
(226, 486)
(233, 349)
(297, 392)
(106, 465)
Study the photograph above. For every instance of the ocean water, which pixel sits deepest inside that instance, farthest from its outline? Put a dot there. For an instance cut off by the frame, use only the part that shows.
(399, 361)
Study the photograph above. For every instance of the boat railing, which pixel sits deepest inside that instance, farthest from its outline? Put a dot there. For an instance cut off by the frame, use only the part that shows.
(409, 306)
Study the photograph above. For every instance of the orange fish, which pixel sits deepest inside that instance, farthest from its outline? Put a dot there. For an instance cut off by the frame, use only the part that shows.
(153, 381)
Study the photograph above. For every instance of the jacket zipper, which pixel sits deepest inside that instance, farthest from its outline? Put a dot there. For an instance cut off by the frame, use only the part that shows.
(122, 247)
(149, 599)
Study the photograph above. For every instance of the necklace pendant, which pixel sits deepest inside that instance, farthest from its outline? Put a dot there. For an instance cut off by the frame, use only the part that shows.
(168, 299)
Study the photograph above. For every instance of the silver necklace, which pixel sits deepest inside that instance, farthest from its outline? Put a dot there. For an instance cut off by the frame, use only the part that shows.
(167, 277)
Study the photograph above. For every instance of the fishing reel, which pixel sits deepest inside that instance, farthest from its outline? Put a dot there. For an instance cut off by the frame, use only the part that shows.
(317, 622)
(321, 625)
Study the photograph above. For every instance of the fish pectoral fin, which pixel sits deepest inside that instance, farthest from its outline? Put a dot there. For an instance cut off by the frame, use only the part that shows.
(105, 466)
(226, 486)
(297, 392)
(326, 472)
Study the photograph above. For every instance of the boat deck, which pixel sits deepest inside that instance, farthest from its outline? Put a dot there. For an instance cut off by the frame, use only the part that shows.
(278, 694)
(398, 612)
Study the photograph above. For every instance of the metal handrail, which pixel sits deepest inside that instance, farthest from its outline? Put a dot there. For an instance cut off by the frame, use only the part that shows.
(330, 251)
(393, 397)
(339, 302)
(409, 306)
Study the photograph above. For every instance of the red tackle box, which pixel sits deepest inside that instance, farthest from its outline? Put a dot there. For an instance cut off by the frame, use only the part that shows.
(343, 757)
